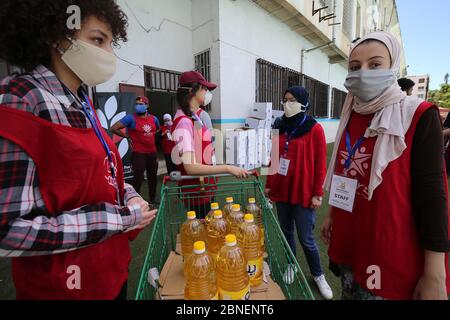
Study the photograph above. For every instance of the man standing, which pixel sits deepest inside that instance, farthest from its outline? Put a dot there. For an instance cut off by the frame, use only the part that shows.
(141, 132)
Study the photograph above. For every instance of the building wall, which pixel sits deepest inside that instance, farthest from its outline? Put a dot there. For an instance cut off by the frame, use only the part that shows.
(159, 35)
(248, 32)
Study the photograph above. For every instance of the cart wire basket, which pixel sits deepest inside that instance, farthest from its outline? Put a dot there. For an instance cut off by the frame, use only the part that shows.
(176, 200)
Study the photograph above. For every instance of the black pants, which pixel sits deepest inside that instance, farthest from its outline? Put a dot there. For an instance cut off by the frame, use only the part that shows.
(141, 162)
(169, 164)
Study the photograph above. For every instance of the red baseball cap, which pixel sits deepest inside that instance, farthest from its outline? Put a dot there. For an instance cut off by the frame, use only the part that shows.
(195, 77)
(142, 99)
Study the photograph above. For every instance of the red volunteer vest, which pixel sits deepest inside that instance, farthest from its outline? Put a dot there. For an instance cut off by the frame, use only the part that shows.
(202, 195)
(143, 135)
(73, 172)
(167, 145)
(381, 232)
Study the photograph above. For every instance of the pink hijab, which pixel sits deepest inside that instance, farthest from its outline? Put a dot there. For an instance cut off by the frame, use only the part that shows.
(393, 111)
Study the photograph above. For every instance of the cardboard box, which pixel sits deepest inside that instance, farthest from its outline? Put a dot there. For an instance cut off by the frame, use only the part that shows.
(266, 147)
(262, 111)
(276, 114)
(236, 147)
(254, 123)
(250, 163)
(172, 278)
(260, 134)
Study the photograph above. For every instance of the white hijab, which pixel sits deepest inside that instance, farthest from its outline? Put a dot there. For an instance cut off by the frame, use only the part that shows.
(393, 111)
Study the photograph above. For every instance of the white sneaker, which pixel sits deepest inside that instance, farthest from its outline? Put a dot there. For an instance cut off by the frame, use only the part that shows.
(323, 287)
(289, 274)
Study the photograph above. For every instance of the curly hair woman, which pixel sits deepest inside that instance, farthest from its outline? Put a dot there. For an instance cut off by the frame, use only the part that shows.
(65, 210)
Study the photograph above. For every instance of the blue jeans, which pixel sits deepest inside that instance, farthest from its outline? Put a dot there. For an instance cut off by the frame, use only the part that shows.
(304, 219)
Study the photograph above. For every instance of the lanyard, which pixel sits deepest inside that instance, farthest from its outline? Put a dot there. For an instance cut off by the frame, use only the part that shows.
(351, 150)
(291, 135)
(90, 115)
(197, 118)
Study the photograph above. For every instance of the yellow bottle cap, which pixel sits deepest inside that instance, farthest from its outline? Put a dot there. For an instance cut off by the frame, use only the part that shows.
(199, 247)
(229, 199)
(218, 214)
(251, 200)
(191, 215)
(214, 206)
(230, 240)
(235, 207)
(248, 217)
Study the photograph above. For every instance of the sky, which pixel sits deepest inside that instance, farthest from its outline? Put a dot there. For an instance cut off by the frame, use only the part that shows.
(425, 27)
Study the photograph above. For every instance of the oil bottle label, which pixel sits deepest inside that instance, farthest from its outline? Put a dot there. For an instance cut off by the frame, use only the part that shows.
(236, 295)
(254, 267)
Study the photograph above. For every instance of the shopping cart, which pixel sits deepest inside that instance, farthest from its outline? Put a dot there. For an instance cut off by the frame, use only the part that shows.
(175, 201)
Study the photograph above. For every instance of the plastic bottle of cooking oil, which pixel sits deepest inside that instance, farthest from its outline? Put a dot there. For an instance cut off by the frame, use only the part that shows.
(255, 210)
(235, 218)
(227, 207)
(200, 274)
(216, 232)
(192, 230)
(209, 217)
(249, 239)
(232, 276)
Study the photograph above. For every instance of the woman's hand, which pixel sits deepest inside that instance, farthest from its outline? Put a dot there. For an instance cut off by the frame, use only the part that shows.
(147, 214)
(431, 288)
(316, 202)
(326, 229)
(238, 172)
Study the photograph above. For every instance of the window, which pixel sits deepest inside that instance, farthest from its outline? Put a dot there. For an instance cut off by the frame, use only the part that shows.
(160, 79)
(272, 80)
(326, 3)
(421, 80)
(422, 88)
(347, 19)
(337, 102)
(203, 65)
(421, 96)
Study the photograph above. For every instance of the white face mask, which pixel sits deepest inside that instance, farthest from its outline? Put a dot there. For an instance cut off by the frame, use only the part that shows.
(91, 64)
(208, 98)
(369, 84)
(292, 108)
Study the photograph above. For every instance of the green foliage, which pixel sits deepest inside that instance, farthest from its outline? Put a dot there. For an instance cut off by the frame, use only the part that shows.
(441, 97)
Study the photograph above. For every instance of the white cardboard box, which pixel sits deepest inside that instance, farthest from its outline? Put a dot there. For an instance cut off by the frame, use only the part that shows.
(251, 150)
(236, 147)
(262, 110)
(254, 123)
(259, 147)
(266, 147)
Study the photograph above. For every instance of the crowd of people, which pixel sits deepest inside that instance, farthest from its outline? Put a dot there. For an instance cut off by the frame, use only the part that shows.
(64, 201)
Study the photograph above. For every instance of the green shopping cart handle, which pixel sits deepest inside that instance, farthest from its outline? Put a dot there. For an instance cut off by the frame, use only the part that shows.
(177, 176)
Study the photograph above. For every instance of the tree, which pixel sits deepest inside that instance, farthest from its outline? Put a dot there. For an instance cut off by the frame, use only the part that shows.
(441, 97)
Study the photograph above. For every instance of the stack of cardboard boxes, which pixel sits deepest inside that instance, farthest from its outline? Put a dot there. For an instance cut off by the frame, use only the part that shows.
(250, 147)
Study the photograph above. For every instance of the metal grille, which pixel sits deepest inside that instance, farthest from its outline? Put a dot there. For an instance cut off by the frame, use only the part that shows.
(337, 102)
(160, 79)
(272, 81)
(318, 97)
(347, 19)
(203, 65)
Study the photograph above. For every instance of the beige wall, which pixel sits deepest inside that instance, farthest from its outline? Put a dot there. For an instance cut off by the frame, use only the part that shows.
(421, 88)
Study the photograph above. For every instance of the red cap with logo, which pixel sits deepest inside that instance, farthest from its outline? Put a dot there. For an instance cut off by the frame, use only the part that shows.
(142, 99)
(195, 77)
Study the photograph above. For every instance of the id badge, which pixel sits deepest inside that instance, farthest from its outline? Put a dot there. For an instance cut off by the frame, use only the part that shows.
(343, 192)
(284, 166)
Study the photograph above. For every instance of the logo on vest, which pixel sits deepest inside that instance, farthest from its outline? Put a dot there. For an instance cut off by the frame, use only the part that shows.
(108, 176)
(74, 280)
(147, 129)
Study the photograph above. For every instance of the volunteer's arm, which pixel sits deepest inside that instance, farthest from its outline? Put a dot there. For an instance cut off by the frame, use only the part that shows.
(194, 169)
(429, 200)
(117, 129)
(27, 228)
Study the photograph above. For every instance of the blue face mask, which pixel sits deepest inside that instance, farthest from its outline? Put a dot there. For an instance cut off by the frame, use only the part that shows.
(140, 108)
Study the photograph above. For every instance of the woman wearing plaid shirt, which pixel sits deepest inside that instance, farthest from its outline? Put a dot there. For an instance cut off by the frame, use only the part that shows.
(65, 211)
